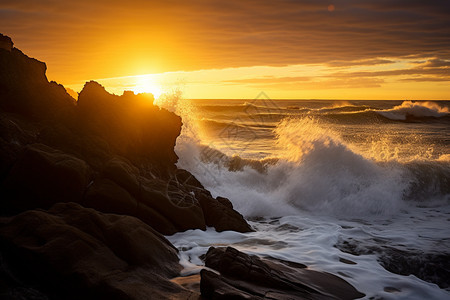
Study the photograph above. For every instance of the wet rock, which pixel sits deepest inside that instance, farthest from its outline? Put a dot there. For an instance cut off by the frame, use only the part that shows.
(72, 252)
(219, 213)
(241, 276)
(174, 203)
(433, 266)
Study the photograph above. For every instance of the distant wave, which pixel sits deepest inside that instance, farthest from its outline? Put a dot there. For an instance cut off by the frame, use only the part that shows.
(406, 112)
(415, 110)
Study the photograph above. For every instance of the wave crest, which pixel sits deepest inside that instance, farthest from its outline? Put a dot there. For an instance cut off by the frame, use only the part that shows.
(409, 109)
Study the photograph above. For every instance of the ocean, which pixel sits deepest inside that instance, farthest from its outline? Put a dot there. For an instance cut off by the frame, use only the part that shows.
(359, 189)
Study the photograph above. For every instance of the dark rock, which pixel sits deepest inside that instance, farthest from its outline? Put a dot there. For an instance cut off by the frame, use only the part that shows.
(220, 214)
(432, 266)
(24, 87)
(167, 207)
(130, 123)
(123, 173)
(5, 42)
(173, 203)
(72, 252)
(242, 276)
(42, 176)
(106, 196)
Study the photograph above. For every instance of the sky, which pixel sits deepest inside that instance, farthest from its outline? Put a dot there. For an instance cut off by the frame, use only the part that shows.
(302, 49)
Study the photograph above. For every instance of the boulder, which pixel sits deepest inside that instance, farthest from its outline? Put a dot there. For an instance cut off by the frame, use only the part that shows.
(106, 196)
(219, 213)
(72, 252)
(243, 276)
(42, 176)
(174, 203)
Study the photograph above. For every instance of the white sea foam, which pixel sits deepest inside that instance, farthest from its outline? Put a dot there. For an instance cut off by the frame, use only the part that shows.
(317, 171)
(319, 192)
(415, 109)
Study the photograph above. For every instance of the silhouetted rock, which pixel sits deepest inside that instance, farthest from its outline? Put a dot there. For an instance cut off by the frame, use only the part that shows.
(42, 176)
(71, 252)
(5, 42)
(24, 87)
(130, 123)
(249, 277)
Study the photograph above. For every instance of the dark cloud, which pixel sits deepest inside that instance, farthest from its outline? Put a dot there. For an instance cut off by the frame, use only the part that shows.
(202, 34)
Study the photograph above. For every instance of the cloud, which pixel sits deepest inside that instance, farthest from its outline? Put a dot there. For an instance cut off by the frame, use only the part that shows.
(203, 34)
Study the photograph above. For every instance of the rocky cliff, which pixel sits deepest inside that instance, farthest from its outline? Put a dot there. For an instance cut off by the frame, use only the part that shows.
(103, 170)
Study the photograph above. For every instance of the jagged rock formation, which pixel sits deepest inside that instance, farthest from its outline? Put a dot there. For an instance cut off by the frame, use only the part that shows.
(24, 87)
(77, 161)
(112, 153)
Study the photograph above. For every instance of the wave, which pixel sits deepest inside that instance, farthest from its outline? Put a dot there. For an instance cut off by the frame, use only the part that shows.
(406, 112)
(415, 110)
(318, 172)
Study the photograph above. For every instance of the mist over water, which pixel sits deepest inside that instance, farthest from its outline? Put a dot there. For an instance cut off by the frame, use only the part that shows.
(376, 174)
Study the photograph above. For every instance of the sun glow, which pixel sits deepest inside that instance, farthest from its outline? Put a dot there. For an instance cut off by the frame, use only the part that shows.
(147, 84)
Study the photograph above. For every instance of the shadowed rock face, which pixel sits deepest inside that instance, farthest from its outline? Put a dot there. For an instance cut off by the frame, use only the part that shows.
(130, 123)
(72, 252)
(249, 277)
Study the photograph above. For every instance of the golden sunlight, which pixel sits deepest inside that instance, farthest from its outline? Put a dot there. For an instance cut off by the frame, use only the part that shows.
(147, 84)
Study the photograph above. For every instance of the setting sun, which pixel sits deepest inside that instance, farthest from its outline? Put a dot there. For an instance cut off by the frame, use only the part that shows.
(147, 84)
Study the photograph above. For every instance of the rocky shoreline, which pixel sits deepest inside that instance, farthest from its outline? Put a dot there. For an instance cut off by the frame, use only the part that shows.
(88, 189)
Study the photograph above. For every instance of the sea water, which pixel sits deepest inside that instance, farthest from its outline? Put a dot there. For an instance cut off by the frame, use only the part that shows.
(359, 189)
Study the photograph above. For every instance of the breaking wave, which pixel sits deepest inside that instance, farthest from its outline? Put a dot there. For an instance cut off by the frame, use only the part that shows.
(316, 171)
(409, 109)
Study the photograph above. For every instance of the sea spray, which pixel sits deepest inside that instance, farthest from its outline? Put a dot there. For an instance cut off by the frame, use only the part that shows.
(315, 171)
(367, 190)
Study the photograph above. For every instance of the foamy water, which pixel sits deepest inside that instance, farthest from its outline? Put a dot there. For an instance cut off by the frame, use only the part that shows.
(325, 183)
